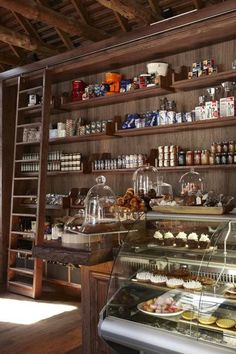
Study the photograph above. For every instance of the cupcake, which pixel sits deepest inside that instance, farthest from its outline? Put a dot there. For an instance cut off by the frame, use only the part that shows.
(193, 240)
(158, 279)
(143, 276)
(181, 239)
(159, 238)
(204, 241)
(169, 239)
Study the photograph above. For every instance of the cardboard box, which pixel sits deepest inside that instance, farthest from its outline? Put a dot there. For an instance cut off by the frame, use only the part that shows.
(227, 106)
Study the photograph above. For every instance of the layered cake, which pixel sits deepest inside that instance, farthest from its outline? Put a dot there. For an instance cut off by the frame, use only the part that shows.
(169, 239)
(192, 285)
(192, 240)
(143, 276)
(174, 283)
(159, 238)
(204, 241)
(181, 239)
(158, 279)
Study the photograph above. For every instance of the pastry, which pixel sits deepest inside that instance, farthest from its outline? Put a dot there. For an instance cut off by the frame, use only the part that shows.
(174, 283)
(192, 240)
(189, 315)
(192, 285)
(159, 238)
(158, 279)
(206, 281)
(204, 241)
(230, 293)
(169, 239)
(143, 276)
(207, 320)
(225, 323)
(181, 239)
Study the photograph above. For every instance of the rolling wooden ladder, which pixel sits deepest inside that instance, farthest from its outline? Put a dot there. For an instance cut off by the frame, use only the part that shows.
(24, 273)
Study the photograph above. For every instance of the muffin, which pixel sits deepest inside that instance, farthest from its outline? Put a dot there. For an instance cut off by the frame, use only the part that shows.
(169, 239)
(159, 238)
(192, 240)
(204, 241)
(181, 239)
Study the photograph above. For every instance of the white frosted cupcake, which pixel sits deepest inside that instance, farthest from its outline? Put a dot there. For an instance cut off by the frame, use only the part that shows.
(174, 283)
(169, 239)
(192, 285)
(204, 241)
(158, 279)
(143, 276)
(193, 240)
(159, 237)
(181, 239)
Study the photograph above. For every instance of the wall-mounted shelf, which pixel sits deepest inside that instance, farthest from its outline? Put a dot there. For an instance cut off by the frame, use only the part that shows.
(198, 167)
(115, 171)
(162, 129)
(204, 81)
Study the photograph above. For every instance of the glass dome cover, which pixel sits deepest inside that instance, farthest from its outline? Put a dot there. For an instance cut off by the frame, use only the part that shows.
(100, 209)
(191, 183)
(145, 180)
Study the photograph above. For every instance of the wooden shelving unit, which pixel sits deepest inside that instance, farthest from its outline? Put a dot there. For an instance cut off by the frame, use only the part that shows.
(231, 167)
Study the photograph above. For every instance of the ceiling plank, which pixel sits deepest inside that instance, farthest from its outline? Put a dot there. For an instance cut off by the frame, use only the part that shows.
(198, 4)
(129, 9)
(23, 41)
(9, 59)
(81, 11)
(16, 51)
(33, 11)
(123, 22)
(156, 9)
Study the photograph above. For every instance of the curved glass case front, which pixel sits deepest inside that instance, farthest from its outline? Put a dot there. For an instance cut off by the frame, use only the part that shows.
(177, 275)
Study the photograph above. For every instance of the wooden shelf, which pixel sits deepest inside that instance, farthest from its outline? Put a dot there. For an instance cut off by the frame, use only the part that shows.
(29, 125)
(27, 177)
(31, 89)
(198, 167)
(24, 215)
(178, 127)
(20, 250)
(36, 142)
(22, 270)
(47, 206)
(35, 108)
(115, 171)
(204, 81)
(117, 98)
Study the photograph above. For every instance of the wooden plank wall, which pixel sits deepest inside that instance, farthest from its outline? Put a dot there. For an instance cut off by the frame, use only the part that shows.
(221, 181)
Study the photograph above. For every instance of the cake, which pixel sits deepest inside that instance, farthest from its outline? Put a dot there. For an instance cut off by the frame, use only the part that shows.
(189, 315)
(192, 285)
(181, 239)
(159, 238)
(204, 241)
(143, 276)
(174, 283)
(158, 279)
(192, 240)
(169, 239)
(225, 323)
(207, 320)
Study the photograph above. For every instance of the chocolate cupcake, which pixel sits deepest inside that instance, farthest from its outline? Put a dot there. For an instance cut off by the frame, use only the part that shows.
(204, 241)
(181, 239)
(159, 238)
(169, 239)
(192, 240)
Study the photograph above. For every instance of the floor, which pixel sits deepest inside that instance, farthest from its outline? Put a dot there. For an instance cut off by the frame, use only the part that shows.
(59, 334)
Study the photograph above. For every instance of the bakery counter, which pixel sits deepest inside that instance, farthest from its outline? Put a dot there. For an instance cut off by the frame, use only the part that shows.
(55, 251)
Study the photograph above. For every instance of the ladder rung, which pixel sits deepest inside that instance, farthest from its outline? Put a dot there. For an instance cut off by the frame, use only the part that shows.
(25, 215)
(20, 250)
(19, 143)
(29, 125)
(34, 178)
(26, 161)
(22, 270)
(36, 106)
(20, 287)
(31, 89)
(23, 233)
(25, 196)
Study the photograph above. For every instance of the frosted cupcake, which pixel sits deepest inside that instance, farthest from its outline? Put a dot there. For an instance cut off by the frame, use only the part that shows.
(159, 238)
(181, 239)
(204, 241)
(169, 239)
(143, 276)
(193, 240)
(158, 279)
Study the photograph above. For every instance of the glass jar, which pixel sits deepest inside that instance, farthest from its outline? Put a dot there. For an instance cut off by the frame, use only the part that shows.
(182, 158)
(214, 148)
(230, 158)
(212, 158)
(189, 158)
(224, 158)
(235, 157)
(218, 159)
(205, 157)
(225, 146)
(219, 147)
(231, 146)
(197, 157)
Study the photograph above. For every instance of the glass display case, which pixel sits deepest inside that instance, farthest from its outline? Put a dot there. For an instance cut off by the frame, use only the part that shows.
(173, 287)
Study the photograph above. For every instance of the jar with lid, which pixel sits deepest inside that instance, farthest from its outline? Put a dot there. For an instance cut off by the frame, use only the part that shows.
(230, 158)
(214, 148)
(219, 147)
(224, 158)
(225, 146)
(205, 157)
(189, 158)
(182, 158)
(212, 158)
(231, 146)
(218, 159)
(197, 157)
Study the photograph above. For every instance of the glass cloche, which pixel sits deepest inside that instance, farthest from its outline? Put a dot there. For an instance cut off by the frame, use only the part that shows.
(192, 187)
(100, 209)
(145, 180)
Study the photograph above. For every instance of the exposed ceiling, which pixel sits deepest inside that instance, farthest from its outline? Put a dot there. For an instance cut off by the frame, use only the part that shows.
(31, 30)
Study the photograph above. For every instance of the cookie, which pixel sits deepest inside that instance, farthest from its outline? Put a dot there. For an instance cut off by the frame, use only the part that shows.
(225, 323)
(207, 320)
(189, 315)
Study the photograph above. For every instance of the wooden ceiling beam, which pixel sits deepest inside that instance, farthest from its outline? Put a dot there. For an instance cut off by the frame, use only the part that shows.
(123, 22)
(156, 9)
(81, 11)
(23, 41)
(33, 11)
(63, 35)
(129, 9)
